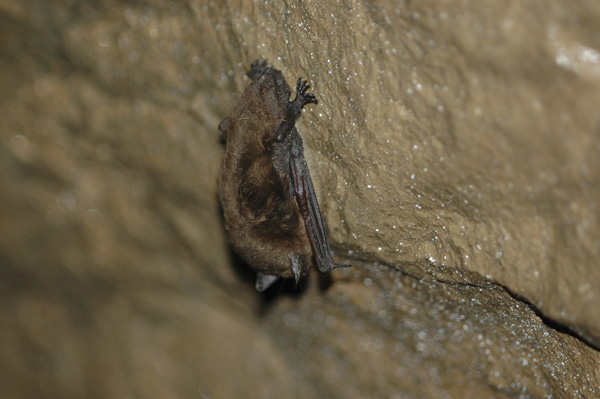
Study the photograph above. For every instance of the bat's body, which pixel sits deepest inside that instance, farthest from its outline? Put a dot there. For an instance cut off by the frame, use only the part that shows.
(271, 212)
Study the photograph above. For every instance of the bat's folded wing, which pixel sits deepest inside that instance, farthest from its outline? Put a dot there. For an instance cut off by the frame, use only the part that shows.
(309, 208)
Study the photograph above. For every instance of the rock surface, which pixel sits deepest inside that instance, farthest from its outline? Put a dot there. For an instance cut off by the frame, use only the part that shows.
(456, 152)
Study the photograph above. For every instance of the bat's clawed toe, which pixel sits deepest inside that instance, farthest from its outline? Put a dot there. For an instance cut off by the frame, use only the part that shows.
(301, 97)
(310, 98)
(302, 86)
(257, 68)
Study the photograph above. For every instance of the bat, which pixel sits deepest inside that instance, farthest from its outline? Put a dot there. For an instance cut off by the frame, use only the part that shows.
(271, 213)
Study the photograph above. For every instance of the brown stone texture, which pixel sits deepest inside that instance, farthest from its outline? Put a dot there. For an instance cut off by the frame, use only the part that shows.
(456, 154)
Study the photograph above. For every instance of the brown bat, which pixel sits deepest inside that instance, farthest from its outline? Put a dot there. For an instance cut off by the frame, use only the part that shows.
(272, 217)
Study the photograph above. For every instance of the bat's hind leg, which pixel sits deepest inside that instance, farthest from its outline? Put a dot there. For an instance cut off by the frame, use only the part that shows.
(257, 68)
(294, 109)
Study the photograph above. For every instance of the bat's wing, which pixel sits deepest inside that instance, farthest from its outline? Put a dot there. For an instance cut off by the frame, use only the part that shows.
(309, 208)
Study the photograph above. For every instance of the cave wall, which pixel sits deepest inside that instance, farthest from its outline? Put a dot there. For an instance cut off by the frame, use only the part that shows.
(455, 149)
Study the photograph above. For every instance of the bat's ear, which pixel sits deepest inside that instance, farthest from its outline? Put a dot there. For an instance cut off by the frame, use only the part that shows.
(264, 281)
(224, 125)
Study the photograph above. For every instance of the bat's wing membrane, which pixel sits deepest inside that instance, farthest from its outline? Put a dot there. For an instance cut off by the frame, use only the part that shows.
(309, 208)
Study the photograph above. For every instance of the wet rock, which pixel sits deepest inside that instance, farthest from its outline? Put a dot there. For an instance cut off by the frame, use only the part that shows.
(455, 151)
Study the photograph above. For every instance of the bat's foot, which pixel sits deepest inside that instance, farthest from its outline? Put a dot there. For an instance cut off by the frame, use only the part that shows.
(257, 68)
(303, 98)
